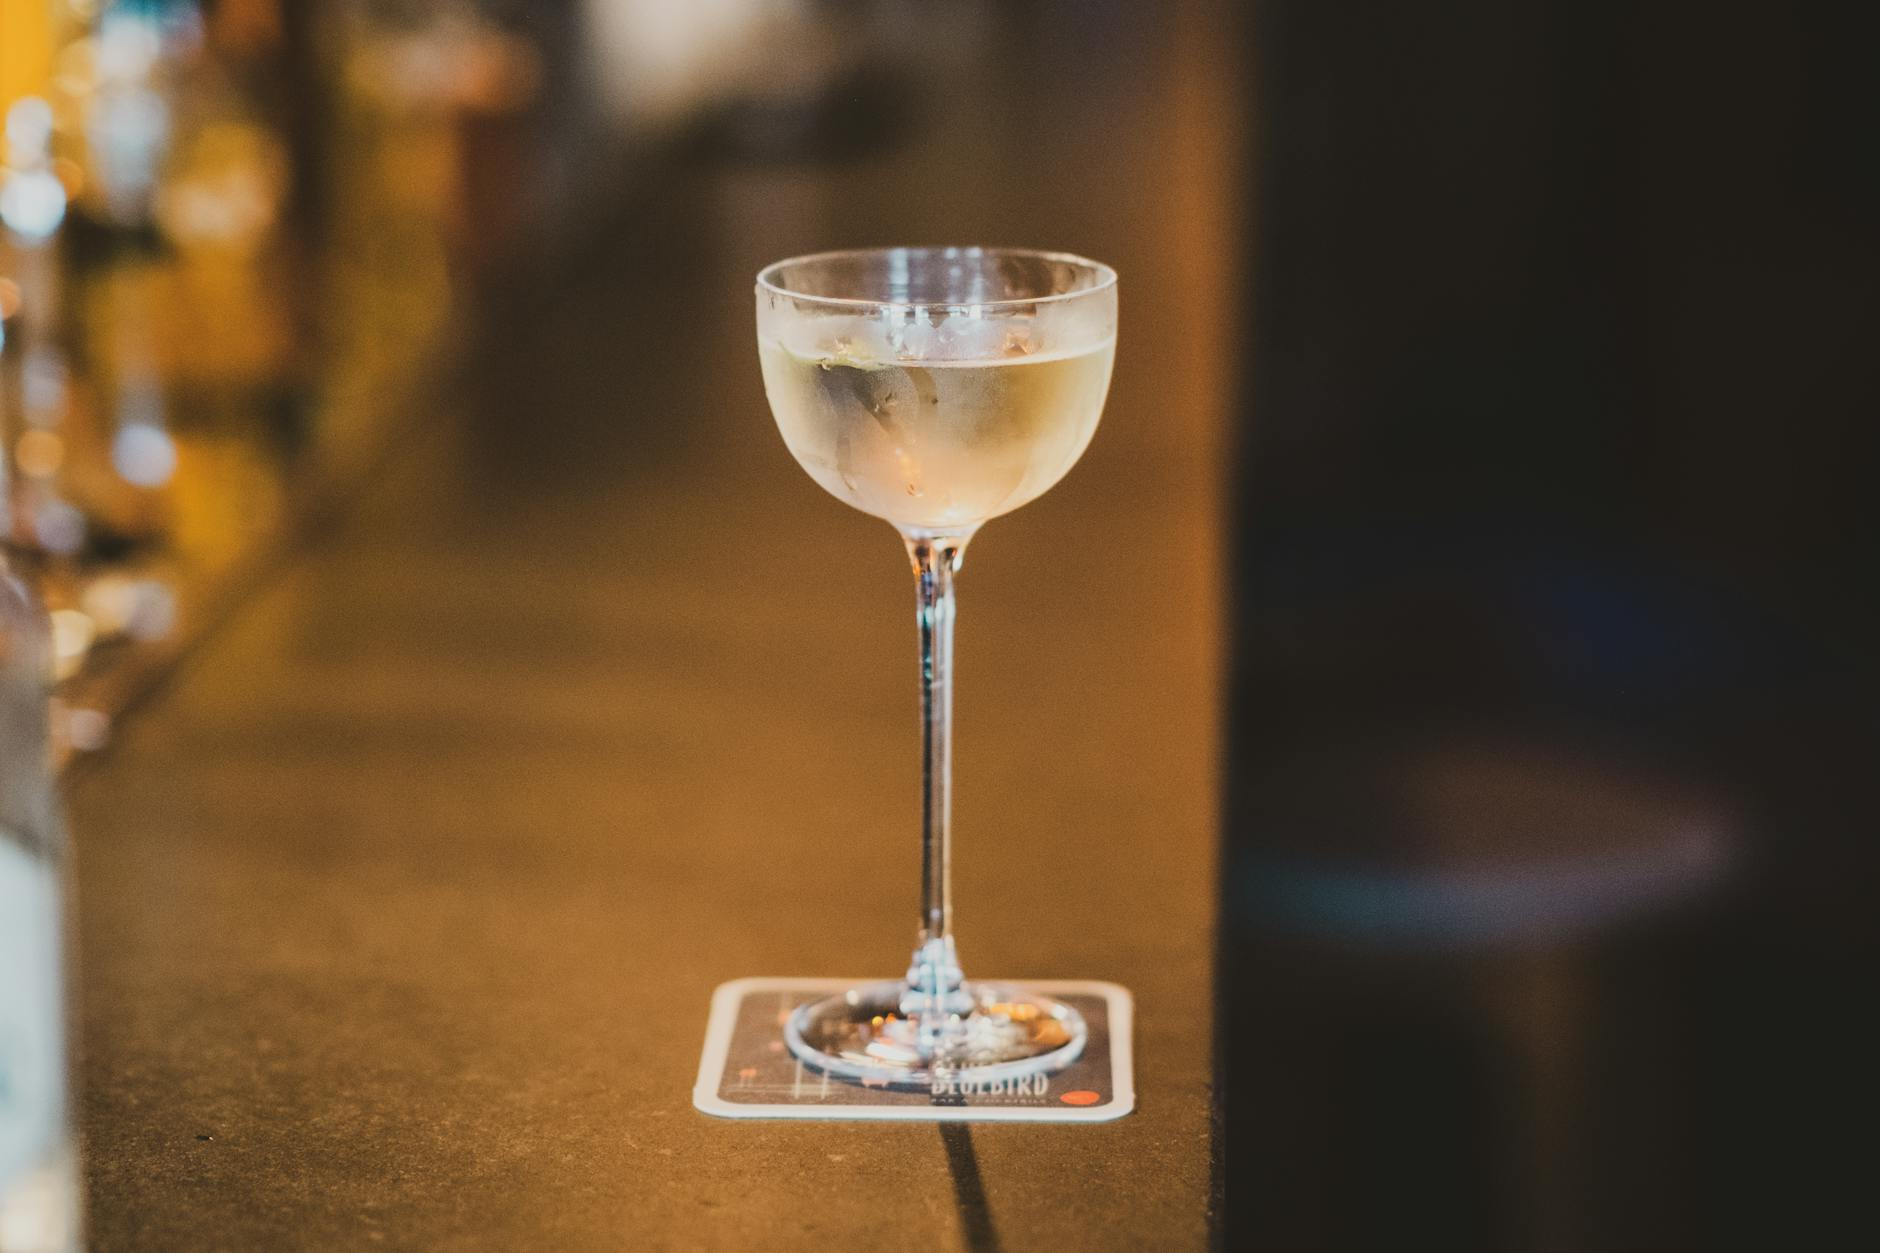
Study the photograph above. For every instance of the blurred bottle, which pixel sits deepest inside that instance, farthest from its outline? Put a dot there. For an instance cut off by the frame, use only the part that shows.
(39, 1191)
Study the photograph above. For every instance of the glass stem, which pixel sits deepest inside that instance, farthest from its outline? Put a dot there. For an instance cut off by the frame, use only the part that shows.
(934, 991)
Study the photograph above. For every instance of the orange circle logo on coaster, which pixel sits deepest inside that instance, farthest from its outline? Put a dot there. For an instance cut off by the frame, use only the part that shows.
(1082, 1096)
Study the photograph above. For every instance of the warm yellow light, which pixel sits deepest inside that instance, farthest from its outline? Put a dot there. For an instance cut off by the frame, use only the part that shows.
(72, 634)
(26, 49)
(38, 454)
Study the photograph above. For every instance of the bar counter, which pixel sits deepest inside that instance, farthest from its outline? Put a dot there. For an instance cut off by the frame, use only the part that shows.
(401, 904)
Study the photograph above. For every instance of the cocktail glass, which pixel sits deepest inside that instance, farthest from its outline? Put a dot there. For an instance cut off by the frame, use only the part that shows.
(936, 388)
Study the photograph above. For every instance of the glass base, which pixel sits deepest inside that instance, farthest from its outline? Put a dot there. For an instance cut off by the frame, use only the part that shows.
(1007, 1033)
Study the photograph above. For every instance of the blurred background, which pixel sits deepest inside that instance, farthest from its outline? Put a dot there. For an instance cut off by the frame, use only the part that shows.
(1550, 861)
(235, 234)
(1445, 692)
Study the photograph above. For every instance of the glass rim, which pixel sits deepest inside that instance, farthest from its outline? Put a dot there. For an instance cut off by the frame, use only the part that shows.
(1105, 277)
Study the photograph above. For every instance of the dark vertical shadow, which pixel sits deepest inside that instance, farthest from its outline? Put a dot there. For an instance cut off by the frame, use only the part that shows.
(1511, 424)
(969, 1194)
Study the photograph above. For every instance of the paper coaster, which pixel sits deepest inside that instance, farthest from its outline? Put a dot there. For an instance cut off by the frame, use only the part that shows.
(746, 1072)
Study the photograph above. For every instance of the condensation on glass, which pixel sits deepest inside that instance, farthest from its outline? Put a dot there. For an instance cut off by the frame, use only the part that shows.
(936, 388)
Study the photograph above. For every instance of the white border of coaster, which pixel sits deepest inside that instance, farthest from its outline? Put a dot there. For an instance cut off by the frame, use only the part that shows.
(727, 997)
